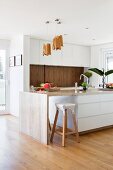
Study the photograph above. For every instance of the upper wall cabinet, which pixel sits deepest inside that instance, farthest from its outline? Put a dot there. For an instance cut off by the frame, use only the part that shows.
(74, 55)
(34, 51)
(67, 57)
(70, 55)
(81, 56)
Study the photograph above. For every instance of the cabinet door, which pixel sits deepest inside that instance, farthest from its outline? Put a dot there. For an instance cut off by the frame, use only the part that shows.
(81, 56)
(74, 55)
(57, 57)
(34, 51)
(94, 122)
(88, 110)
(67, 58)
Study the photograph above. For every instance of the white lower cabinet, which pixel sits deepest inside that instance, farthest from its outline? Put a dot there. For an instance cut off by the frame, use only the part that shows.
(95, 111)
(88, 109)
(94, 122)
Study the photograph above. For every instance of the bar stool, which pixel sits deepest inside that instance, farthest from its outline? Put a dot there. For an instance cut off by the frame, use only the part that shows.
(65, 107)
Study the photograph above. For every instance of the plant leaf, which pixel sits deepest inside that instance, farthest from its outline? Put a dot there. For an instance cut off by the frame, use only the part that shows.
(96, 70)
(108, 72)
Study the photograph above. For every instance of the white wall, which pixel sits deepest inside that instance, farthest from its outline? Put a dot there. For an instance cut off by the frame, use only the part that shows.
(97, 60)
(5, 45)
(26, 62)
(16, 75)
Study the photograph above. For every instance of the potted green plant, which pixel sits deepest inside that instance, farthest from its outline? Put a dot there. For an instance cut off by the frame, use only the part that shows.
(84, 85)
(88, 74)
(102, 73)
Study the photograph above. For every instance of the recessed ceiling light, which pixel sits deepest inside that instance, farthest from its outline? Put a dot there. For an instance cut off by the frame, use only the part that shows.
(93, 39)
(86, 28)
(57, 19)
(65, 34)
(59, 22)
(47, 22)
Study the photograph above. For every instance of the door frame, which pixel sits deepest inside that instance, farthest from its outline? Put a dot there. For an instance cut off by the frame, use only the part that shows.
(5, 45)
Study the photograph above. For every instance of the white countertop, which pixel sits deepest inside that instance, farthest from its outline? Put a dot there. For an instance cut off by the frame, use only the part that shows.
(70, 91)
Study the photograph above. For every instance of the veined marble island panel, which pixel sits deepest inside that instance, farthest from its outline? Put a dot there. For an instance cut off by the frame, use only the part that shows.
(34, 115)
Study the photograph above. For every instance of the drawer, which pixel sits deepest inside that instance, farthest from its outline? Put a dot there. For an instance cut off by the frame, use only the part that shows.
(88, 99)
(89, 123)
(90, 109)
(106, 97)
(106, 107)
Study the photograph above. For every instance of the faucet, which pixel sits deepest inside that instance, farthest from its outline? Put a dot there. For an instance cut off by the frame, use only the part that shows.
(85, 77)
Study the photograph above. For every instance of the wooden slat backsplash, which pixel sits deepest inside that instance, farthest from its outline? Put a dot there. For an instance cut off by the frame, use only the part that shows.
(62, 76)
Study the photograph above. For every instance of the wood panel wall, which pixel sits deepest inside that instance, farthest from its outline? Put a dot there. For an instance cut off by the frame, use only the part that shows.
(62, 76)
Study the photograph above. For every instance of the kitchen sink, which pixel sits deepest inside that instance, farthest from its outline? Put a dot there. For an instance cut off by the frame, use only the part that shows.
(106, 89)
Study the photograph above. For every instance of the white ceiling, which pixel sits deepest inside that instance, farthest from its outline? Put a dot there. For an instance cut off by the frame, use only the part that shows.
(28, 17)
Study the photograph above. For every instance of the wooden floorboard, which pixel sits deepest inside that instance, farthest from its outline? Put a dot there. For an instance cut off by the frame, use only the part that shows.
(20, 152)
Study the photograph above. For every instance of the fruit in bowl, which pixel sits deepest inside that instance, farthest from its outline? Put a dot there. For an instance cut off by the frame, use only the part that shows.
(109, 85)
(47, 85)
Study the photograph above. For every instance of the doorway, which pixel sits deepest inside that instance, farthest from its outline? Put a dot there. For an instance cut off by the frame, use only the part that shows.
(2, 81)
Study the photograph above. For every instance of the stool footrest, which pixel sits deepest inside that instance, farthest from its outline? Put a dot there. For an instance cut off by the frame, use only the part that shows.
(66, 134)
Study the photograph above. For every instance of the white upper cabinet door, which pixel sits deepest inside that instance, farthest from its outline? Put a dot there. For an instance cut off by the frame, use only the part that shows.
(67, 57)
(57, 57)
(74, 55)
(34, 51)
(81, 56)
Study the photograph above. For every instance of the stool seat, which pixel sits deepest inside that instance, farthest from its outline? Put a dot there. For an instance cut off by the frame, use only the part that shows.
(68, 106)
(65, 107)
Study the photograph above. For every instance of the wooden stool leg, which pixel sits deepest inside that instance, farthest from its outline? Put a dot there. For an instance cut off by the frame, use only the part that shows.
(66, 123)
(49, 125)
(54, 126)
(76, 128)
(64, 126)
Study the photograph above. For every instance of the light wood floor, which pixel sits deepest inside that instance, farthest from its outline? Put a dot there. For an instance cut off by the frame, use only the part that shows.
(20, 152)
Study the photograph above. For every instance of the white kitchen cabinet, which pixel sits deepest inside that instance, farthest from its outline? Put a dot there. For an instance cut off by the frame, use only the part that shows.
(73, 55)
(67, 57)
(88, 110)
(57, 57)
(70, 55)
(95, 111)
(95, 122)
(34, 51)
(81, 56)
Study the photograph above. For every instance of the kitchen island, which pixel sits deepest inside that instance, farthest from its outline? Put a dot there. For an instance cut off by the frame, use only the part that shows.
(94, 110)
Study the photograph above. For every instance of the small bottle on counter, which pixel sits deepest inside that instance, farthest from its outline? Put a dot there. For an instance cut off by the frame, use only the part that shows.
(32, 88)
(76, 84)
